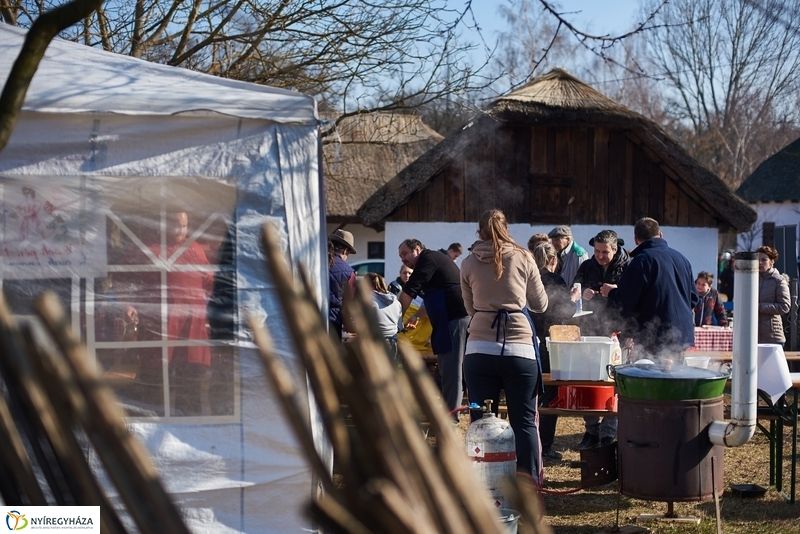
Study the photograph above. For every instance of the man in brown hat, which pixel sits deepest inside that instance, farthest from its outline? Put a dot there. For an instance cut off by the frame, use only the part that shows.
(341, 277)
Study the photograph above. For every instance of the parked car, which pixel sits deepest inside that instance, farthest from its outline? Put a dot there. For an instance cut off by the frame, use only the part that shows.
(368, 266)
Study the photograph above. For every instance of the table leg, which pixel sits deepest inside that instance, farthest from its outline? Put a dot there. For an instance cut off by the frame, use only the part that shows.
(773, 468)
(793, 473)
(779, 453)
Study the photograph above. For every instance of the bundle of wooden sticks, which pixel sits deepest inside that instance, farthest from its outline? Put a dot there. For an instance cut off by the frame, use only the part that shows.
(392, 479)
(52, 398)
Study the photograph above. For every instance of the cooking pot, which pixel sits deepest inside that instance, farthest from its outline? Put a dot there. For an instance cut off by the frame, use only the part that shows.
(655, 381)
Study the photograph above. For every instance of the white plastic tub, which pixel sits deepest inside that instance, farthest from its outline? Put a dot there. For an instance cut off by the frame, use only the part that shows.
(583, 360)
(698, 360)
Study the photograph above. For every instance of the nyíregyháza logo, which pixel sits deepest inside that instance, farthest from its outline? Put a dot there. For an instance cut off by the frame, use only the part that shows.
(16, 520)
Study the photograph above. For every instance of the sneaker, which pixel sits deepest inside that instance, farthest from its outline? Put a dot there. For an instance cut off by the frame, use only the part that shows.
(550, 454)
(589, 441)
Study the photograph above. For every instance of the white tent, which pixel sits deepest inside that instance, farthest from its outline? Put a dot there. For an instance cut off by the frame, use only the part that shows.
(109, 155)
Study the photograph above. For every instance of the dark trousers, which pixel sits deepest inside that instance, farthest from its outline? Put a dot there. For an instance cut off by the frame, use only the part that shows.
(488, 374)
(547, 423)
(450, 363)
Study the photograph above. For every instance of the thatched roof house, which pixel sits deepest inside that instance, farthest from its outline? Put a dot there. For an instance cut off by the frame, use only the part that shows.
(558, 151)
(773, 191)
(364, 153)
(777, 179)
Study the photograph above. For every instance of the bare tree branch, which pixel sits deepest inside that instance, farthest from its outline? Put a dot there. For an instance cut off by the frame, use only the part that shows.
(731, 70)
(46, 27)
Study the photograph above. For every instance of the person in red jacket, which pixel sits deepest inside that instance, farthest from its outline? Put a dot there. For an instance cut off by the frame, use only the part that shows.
(188, 288)
(187, 293)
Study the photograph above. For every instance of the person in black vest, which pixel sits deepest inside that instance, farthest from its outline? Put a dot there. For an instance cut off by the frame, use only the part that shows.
(439, 280)
(341, 277)
(606, 266)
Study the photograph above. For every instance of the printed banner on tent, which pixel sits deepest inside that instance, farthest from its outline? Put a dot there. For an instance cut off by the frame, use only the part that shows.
(51, 230)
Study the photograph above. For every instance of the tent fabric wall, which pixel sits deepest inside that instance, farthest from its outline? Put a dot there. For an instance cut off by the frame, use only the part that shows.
(124, 124)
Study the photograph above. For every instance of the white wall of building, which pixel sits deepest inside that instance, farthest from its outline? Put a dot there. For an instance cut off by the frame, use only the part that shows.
(699, 245)
(782, 214)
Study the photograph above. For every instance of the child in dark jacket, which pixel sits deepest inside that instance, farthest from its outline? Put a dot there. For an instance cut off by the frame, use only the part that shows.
(709, 311)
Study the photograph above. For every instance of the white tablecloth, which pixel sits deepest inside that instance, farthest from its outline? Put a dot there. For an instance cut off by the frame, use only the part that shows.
(773, 371)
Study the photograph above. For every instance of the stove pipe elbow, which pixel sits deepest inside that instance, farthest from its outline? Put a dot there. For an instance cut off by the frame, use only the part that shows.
(744, 399)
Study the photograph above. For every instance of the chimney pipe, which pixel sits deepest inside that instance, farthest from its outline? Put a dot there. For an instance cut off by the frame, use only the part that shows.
(744, 400)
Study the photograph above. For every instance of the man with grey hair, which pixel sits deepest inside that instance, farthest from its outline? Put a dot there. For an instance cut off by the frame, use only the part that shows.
(570, 254)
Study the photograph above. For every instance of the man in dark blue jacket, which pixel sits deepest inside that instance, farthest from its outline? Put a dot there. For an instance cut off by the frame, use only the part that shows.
(341, 277)
(656, 293)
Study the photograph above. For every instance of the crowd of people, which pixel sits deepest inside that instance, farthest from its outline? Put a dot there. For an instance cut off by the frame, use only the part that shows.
(486, 322)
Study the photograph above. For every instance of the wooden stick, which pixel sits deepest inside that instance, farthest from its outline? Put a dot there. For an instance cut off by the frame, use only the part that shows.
(527, 501)
(399, 518)
(59, 386)
(374, 418)
(25, 405)
(398, 486)
(125, 459)
(451, 454)
(19, 484)
(290, 401)
(306, 327)
(412, 450)
(333, 517)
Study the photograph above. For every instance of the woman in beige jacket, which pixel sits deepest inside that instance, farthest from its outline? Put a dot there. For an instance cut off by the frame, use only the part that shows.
(499, 280)
(773, 298)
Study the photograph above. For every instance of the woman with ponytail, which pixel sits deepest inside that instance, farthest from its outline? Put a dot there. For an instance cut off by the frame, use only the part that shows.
(500, 282)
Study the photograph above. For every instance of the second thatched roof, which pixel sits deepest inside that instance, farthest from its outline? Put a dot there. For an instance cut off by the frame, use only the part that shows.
(366, 151)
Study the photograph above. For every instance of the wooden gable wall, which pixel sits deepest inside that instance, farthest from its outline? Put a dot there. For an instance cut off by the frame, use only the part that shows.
(558, 175)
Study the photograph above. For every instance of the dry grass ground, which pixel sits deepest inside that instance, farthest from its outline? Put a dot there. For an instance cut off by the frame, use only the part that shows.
(595, 510)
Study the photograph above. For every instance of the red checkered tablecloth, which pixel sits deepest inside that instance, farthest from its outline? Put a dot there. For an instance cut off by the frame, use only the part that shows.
(713, 338)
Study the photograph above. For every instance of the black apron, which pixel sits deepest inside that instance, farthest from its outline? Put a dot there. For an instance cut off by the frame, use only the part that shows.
(500, 325)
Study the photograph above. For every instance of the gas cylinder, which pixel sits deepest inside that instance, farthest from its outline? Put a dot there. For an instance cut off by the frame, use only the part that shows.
(490, 446)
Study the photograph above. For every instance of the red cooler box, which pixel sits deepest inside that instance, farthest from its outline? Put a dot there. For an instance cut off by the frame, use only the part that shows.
(585, 398)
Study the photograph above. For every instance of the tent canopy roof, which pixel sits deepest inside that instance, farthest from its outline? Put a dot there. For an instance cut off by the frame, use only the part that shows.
(73, 78)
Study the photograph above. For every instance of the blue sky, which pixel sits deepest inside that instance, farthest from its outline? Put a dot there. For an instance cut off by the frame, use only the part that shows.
(598, 16)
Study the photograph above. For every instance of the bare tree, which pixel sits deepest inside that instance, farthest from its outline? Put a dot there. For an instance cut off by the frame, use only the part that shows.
(730, 71)
(354, 54)
(542, 35)
(42, 31)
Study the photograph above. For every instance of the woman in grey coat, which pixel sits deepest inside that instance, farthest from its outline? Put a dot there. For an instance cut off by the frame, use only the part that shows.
(773, 297)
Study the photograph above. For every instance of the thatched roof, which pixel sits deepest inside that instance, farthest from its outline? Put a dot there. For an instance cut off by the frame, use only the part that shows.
(777, 179)
(558, 97)
(558, 89)
(365, 152)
